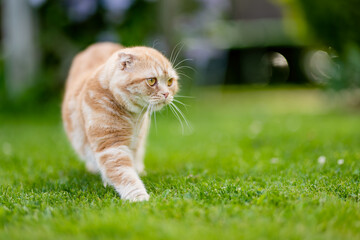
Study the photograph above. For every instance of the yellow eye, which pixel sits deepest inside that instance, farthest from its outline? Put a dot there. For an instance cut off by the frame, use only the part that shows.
(170, 82)
(151, 81)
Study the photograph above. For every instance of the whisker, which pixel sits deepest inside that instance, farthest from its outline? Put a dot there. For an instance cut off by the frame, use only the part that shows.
(156, 41)
(184, 60)
(140, 117)
(185, 105)
(178, 117)
(150, 112)
(188, 67)
(182, 114)
(173, 52)
(155, 121)
(177, 54)
(183, 74)
(182, 96)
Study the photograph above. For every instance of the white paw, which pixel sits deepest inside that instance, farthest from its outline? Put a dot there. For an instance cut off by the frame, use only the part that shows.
(132, 188)
(136, 196)
(140, 198)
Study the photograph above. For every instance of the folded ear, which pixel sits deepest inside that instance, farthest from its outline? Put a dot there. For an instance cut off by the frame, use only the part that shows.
(126, 60)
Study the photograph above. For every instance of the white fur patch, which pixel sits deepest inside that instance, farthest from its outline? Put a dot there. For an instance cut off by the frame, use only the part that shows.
(88, 114)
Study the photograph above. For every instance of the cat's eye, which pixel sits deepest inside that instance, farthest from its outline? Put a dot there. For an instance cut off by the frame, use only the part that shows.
(151, 81)
(170, 82)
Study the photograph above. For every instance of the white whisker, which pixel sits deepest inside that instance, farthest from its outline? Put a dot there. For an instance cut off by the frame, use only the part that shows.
(183, 74)
(184, 60)
(156, 41)
(188, 67)
(177, 116)
(181, 102)
(182, 114)
(140, 118)
(185, 105)
(173, 52)
(181, 96)
(155, 121)
(177, 54)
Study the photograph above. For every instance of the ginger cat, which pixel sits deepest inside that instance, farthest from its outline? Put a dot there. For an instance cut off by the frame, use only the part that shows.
(109, 93)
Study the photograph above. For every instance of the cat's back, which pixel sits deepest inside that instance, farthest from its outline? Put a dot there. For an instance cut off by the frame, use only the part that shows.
(82, 68)
(86, 62)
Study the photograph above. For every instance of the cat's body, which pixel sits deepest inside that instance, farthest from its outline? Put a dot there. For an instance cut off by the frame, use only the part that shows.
(109, 93)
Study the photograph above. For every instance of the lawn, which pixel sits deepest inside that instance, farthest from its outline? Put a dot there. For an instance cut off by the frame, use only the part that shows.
(257, 164)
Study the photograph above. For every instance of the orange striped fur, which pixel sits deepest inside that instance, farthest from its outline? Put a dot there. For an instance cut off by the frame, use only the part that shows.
(106, 108)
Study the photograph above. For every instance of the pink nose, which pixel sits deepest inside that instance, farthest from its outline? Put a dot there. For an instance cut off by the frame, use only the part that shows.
(166, 94)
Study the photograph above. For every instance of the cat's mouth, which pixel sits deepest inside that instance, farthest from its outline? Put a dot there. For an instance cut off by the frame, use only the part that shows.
(158, 106)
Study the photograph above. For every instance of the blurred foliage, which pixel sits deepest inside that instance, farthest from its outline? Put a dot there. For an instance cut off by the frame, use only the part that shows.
(348, 66)
(69, 26)
(335, 23)
(61, 37)
(2, 81)
(332, 24)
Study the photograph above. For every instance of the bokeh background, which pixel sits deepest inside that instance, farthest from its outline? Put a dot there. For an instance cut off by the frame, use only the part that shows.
(220, 42)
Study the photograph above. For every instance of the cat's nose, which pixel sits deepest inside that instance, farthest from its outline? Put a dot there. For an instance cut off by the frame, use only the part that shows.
(166, 94)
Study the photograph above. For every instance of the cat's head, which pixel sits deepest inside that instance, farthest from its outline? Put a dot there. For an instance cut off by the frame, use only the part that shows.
(143, 76)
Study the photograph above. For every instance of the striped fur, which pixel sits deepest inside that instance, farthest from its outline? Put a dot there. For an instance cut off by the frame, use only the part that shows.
(106, 110)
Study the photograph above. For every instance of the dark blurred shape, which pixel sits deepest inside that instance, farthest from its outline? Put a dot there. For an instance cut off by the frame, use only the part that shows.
(278, 67)
(254, 39)
(255, 9)
(333, 24)
(336, 23)
(270, 65)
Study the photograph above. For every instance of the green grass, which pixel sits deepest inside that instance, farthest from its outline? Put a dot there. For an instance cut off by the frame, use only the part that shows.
(249, 169)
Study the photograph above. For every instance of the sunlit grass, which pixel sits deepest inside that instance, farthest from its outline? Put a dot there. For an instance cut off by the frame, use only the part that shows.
(249, 169)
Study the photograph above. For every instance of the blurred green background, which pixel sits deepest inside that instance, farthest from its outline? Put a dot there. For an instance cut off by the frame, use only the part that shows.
(228, 42)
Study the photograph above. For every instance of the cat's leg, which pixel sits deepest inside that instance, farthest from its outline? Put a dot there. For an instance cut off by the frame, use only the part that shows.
(139, 148)
(109, 133)
(116, 169)
(75, 131)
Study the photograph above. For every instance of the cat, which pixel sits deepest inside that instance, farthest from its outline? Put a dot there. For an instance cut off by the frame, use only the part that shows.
(109, 93)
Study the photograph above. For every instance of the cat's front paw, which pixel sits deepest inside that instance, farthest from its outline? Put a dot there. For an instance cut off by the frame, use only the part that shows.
(140, 197)
(133, 193)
